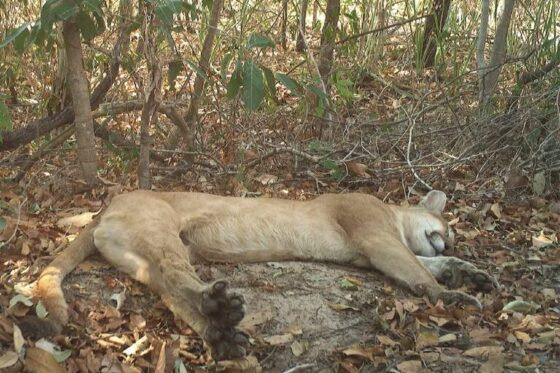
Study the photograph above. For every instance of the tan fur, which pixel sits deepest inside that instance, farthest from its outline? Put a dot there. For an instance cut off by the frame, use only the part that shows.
(153, 236)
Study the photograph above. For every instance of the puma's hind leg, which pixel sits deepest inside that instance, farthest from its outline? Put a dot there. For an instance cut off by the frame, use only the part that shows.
(159, 260)
(209, 309)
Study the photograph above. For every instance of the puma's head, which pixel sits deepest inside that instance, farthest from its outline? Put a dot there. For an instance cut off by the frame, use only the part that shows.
(429, 234)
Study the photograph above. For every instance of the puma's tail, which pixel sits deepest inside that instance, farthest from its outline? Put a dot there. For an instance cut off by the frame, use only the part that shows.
(49, 286)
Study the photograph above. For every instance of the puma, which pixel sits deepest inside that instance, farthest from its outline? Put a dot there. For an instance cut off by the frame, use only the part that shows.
(155, 236)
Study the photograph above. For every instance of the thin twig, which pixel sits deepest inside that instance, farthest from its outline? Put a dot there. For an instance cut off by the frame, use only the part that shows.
(300, 367)
(412, 123)
(5, 243)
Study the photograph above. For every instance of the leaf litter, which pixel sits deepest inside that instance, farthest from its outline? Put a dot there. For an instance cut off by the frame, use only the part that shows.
(297, 312)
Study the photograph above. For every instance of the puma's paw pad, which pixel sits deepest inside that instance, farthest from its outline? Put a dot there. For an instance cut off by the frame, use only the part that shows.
(226, 343)
(224, 312)
(453, 296)
(458, 272)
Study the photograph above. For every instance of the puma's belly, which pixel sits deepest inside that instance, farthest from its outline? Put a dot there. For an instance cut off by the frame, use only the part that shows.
(256, 237)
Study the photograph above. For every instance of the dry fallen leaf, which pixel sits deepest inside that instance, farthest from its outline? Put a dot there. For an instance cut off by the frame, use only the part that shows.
(281, 339)
(8, 359)
(78, 221)
(342, 307)
(137, 321)
(253, 319)
(38, 360)
(386, 340)
(426, 338)
(160, 365)
(494, 364)
(18, 339)
(266, 179)
(447, 338)
(299, 347)
(522, 336)
(137, 347)
(248, 364)
(496, 210)
(364, 352)
(410, 366)
(483, 351)
(358, 169)
(119, 299)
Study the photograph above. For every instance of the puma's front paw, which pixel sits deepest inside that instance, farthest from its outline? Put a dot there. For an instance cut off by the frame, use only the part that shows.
(456, 272)
(453, 296)
(224, 312)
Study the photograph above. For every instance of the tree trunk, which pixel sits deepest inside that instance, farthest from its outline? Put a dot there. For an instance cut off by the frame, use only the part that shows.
(300, 40)
(328, 37)
(498, 56)
(152, 96)
(40, 127)
(434, 25)
(381, 21)
(204, 63)
(79, 90)
(315, 11)
(284, 29)
(481, 40)
(59, 99)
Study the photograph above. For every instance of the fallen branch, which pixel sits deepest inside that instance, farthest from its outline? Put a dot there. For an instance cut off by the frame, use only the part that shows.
(284, 149)
(379, 29)
(40, 127)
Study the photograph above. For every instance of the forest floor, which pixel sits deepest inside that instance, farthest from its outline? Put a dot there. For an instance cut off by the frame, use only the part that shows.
(308, 316)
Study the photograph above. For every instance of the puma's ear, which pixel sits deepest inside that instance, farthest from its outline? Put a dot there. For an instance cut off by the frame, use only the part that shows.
(434, 201)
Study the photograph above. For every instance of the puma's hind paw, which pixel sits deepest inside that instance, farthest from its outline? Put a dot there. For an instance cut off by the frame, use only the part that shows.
(457, 272)
(224, 312)
(36, 328)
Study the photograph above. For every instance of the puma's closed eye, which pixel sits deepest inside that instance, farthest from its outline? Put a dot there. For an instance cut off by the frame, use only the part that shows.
(437, 241)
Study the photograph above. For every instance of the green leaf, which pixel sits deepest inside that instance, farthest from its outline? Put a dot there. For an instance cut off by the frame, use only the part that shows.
(329, 164)
(180, 367)
(3, 223)
(253, 85)
(234, 83)
(94, 6)
(5, 119)
(20, 299)
(64, 10)
(317, 91)
(522, 306)
(21, 41)
(345, 284)
(270, 83)
(173, 71)
(87, 26)
(60, 356)
(197, 69)
(40, 310)
(12, 35)
(289, 83)
(225, 64)
(36, 34)
(259, 41)
(165, 10)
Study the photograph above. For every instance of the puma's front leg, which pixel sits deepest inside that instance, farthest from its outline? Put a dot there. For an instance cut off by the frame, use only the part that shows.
(396, 261)
(455, 272)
